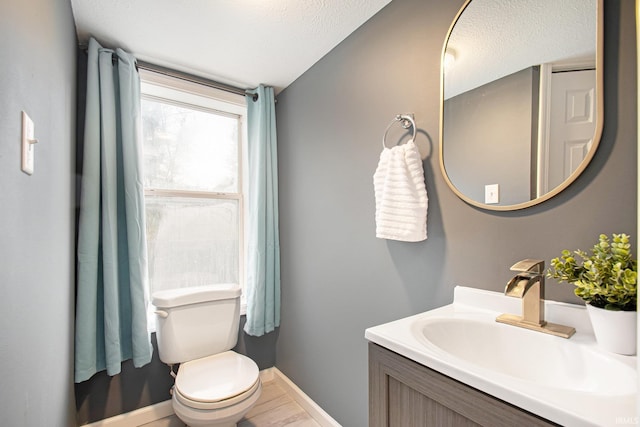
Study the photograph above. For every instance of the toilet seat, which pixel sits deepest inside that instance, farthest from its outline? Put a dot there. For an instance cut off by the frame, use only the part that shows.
(216, 381)
(209, 406)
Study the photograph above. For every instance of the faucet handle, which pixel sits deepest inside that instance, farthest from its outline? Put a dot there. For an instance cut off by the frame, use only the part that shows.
(529, 265)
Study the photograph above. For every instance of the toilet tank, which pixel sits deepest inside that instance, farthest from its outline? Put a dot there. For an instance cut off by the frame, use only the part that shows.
(196, 322)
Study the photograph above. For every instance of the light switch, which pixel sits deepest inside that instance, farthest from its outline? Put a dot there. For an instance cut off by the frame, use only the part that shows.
(28, 144)
(492, 194)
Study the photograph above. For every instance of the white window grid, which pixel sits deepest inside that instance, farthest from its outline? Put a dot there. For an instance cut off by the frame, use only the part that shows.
(159, 87)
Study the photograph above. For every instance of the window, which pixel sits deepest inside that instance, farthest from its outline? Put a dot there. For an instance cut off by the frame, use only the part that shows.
(193, 156)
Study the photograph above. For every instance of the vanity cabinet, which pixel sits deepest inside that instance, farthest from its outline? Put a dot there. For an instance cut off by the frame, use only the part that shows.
(403, 393)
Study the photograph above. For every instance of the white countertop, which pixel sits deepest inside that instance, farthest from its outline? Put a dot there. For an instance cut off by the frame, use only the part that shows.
(583, 406)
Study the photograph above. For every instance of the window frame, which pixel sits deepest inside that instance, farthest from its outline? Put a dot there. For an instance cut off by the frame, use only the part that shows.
(198, 96)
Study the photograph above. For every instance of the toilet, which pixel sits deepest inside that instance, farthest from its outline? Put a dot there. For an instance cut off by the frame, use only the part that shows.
(197, 327)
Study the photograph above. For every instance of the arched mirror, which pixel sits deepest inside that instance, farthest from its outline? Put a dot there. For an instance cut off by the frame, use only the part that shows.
(522, 107)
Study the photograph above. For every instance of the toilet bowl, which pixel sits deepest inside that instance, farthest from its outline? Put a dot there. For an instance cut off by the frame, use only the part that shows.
(216, 390)
(198, 327)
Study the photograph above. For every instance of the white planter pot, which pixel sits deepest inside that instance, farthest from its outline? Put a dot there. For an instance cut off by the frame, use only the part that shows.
(615, 330)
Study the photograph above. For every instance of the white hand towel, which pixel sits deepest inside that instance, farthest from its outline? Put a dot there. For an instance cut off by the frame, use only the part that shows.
(401, 194)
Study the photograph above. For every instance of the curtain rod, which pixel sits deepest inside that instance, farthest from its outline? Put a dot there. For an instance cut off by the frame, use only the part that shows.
(191, 78)
(185, 76)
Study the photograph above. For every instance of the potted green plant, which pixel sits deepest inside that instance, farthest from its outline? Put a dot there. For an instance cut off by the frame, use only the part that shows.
(606, 280)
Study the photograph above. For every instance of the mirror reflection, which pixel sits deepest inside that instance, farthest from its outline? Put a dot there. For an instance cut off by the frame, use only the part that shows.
(522, 110)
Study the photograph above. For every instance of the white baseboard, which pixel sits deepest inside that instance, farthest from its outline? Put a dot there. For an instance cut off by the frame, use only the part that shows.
(316, 412)
(138, 417)
(266, 375)
(164, 409)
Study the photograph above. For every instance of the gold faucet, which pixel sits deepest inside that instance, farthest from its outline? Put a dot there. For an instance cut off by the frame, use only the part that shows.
(528, 285)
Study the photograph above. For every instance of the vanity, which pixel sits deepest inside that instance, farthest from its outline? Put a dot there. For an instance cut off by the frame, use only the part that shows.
(456, 365)
(409, 394)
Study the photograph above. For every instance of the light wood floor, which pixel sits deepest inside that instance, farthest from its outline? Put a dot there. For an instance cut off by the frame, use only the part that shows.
(275, 408)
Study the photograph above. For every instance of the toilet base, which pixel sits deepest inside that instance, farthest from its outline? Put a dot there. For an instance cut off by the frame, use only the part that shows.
(223, 417)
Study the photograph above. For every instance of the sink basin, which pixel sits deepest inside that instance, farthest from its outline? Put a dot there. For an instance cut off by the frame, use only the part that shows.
(527, 355)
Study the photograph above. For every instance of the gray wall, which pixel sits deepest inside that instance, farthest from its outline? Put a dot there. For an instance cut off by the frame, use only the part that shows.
(490, 135)
(37, 74)
(337, 278)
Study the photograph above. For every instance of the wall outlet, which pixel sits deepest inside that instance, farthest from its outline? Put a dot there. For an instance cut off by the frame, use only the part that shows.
(492, 194)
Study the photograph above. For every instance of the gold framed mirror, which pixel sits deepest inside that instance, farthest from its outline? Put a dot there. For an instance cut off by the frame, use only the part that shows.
(521, 99)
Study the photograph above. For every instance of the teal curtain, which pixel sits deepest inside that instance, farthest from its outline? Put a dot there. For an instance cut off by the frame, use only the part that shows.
(263, 257)
(111, 323)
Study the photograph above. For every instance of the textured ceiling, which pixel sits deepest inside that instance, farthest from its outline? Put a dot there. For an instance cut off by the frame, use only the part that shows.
(495, 38)
(238, 42)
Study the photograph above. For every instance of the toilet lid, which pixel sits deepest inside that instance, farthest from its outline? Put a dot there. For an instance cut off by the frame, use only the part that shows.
(218, 377)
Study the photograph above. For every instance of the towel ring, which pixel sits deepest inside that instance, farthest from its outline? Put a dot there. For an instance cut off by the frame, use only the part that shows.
(406, 121)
